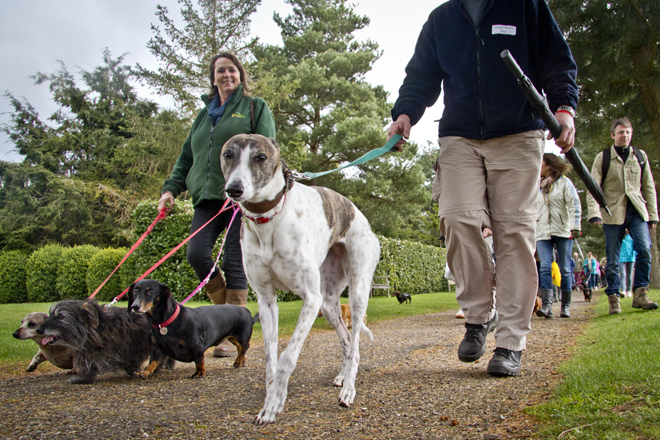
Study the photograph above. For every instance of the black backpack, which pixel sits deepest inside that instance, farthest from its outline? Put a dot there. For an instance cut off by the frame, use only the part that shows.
(607, 158)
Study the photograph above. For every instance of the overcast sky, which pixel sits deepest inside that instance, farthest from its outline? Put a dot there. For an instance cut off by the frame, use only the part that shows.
(35, 34)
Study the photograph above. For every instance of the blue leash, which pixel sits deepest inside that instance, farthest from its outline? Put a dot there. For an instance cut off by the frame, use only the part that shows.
(370, 155)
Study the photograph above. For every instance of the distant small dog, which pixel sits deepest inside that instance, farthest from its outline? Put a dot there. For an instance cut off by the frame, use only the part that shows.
(102, 340)
(587, 294)
(60, 356)
(184, 334)
(403, 297)
(345, 315)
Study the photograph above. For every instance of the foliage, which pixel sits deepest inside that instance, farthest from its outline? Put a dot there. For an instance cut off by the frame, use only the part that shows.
(176, 273)
(83, 173)
(411, 267)
(72, 272)
(615, 44)
(331, 115)
(41, 273)
(185, 54)
(12, 277)
(100, 266)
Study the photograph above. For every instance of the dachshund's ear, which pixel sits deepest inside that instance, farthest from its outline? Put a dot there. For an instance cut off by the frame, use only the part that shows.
(130, 297)
(92, 312)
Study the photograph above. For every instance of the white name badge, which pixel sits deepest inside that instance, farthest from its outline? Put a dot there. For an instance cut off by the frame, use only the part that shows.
(503, 29)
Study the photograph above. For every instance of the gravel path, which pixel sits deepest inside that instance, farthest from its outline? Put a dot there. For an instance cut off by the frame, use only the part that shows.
(410, 385)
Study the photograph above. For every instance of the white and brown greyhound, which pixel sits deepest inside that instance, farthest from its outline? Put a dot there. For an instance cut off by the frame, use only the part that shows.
(307, 240)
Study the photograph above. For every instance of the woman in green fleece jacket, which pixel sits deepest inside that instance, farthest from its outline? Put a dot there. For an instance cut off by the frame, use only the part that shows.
(229, 110)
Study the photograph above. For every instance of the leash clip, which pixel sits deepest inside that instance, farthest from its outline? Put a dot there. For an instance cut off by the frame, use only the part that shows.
(299, 176)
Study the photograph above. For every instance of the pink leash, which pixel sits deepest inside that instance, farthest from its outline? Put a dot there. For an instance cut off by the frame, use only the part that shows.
(208, 277)
(169, 254)
(161, 215)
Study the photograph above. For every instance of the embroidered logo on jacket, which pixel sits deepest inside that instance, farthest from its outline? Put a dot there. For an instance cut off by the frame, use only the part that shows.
(237, 115)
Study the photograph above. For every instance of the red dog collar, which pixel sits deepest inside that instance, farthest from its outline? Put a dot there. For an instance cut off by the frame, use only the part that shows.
(163, 330)
(262, 220)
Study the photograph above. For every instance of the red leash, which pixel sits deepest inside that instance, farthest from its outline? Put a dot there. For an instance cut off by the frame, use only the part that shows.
(161, 215)
(169, 254)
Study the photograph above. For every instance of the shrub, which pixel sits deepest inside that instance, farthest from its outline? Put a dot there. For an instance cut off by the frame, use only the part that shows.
(12, 277)
(175, 272)
(72, 273)
(412, 267)
(100, 266)
(41, 274)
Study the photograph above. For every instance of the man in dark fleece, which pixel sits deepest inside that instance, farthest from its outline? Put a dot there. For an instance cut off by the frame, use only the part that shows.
(491, 146)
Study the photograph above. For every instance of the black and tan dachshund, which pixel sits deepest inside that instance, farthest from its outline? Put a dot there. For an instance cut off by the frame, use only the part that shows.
(403, 297)
(184, 334)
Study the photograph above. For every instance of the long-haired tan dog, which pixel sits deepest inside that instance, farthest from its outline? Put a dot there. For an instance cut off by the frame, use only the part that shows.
(58, 355)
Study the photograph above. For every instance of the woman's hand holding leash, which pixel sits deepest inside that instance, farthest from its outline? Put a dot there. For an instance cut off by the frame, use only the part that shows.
(166, 201)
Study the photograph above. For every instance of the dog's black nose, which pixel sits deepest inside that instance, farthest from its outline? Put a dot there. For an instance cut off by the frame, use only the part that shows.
(135, 307)
(234, 191)
(15, 334)
(39, 330)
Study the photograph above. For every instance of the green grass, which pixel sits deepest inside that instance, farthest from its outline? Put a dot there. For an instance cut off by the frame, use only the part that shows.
(612, 383)
(380, 309)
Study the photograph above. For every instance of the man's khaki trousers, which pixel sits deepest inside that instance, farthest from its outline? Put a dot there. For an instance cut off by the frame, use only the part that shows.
(492, 182)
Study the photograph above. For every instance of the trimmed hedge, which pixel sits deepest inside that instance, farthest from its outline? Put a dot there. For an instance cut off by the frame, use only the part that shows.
(101, 265)
(72, 273)
(412, 267)
(41, 273)
(54, 273)
(176, 273)
(12, 277)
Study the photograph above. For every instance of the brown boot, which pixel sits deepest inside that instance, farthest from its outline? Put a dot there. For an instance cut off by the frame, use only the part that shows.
(224, 349)
(237, 298)
(615, 305)
(216, 289)
(641, 300)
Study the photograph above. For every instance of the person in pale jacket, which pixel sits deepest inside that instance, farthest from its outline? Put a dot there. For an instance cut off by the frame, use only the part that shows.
(559, 212)
(630, 193)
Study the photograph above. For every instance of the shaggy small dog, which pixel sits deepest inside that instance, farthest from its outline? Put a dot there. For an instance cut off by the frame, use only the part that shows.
(60, 356)
(102, 340)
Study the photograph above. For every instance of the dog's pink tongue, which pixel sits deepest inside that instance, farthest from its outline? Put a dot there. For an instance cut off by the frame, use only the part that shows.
(46, 340)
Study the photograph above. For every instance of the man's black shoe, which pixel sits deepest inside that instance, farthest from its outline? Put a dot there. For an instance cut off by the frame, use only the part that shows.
(505, 363)
(473, 345)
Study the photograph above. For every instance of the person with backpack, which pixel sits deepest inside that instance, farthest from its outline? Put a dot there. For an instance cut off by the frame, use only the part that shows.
(629, 190)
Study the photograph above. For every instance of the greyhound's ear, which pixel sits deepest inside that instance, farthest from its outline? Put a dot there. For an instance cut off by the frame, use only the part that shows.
(92, 313)
(274, 142)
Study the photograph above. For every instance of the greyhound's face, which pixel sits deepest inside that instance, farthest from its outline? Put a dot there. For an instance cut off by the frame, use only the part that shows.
(251, 166)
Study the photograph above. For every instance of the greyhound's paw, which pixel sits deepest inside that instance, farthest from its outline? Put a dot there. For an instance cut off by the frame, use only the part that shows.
(263, 418)
(272, 407)
(31, 368)
(339, 381)
(346, 396)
